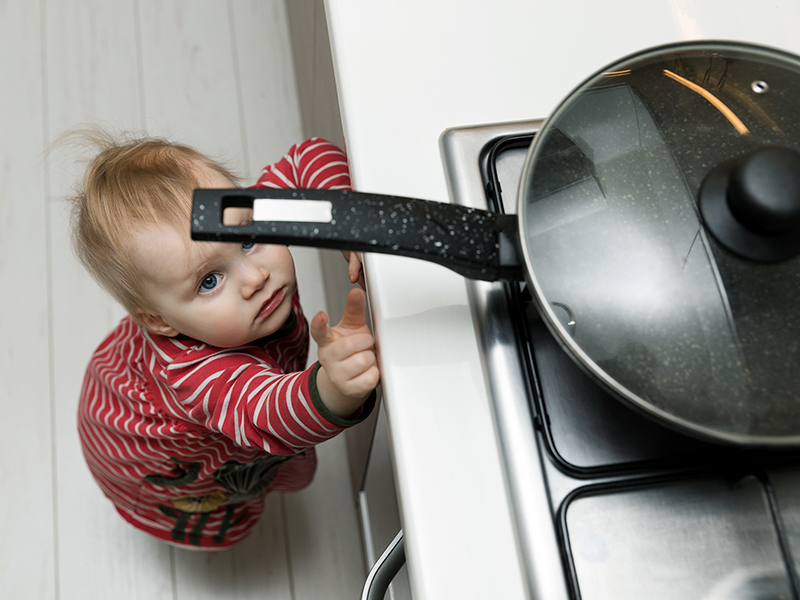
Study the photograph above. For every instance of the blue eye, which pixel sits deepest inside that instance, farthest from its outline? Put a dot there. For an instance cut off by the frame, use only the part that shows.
(248, 246)
(209, 283)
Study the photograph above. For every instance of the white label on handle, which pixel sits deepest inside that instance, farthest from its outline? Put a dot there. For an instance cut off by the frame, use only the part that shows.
(296, 211)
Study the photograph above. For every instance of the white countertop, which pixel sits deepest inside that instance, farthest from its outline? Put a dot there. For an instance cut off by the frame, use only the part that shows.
(407, 70)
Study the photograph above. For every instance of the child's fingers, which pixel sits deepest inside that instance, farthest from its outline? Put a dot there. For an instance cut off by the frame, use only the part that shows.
(354, 267)
(355, 364)
(319, 329)
(355, 271)
(362, 382)
(366, 381)
(354, 310)
(346, 346)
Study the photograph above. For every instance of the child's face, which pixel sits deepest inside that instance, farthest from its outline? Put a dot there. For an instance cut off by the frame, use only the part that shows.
(223, 294)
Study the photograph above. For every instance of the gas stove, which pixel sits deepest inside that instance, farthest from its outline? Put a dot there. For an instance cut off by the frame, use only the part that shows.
(607, 502)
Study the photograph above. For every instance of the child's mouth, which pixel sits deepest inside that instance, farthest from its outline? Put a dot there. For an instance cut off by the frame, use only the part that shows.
(271, 304)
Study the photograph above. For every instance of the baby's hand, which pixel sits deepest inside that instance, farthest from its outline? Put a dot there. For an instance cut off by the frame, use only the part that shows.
(349, 370)
(355, 271)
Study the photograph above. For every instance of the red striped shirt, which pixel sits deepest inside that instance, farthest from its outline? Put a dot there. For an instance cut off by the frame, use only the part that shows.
(186, 439)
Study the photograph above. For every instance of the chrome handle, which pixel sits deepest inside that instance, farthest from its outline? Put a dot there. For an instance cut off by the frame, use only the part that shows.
(385, 569)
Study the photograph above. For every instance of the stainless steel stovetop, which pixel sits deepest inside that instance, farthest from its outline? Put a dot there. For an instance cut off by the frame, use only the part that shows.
(607, 503)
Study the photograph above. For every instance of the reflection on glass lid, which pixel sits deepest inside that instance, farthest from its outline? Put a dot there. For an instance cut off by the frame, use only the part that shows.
(647, 212)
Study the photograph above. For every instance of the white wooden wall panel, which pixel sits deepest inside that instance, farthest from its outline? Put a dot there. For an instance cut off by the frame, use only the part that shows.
(91, 68)
(92, 74)
(188, 76)
(26, 521)
(268, 90)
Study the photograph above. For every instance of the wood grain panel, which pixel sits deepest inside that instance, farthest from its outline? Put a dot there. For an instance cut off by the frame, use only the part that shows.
(92, 76)
(92, 79)
(266, 82)
(26, 522)
(188, 76)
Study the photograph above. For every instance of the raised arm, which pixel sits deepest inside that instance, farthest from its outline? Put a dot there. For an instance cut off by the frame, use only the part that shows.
(315, 163)
(241, 393)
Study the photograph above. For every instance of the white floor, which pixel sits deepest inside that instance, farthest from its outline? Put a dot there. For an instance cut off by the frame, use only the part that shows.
(212, 73)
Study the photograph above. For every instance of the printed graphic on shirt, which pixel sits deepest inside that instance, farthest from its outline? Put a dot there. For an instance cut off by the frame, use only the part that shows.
(245, 482)
(242, 482)
(199, 504)
(196, 533)
(186, 476)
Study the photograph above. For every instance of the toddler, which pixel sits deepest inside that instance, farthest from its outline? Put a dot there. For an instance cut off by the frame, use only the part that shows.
(199, 402)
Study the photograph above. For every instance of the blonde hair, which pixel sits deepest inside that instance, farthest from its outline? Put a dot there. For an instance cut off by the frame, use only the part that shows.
(130, 183)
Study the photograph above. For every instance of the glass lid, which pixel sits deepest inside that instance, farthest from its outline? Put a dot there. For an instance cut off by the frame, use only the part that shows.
(660, 218)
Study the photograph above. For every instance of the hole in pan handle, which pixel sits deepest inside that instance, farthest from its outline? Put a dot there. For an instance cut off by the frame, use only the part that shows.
(475, 243)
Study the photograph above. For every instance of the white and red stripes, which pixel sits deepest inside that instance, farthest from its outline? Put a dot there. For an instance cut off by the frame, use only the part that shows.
(159, 417)
(313, 164)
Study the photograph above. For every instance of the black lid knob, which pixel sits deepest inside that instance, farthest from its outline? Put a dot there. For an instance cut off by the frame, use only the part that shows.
(764, 191)
(752, 205)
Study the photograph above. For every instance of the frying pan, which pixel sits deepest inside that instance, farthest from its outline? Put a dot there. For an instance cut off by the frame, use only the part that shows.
(659, 206)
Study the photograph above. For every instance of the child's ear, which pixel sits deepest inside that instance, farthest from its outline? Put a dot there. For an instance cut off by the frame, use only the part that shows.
(156, 324)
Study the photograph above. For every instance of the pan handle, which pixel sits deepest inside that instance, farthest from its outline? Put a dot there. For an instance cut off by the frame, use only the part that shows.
(474, 243)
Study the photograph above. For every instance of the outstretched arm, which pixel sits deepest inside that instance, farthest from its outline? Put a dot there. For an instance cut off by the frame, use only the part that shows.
(349, 371)
(315, 163)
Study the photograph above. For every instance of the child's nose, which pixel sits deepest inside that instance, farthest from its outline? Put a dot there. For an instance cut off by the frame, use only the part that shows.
(253, 279)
